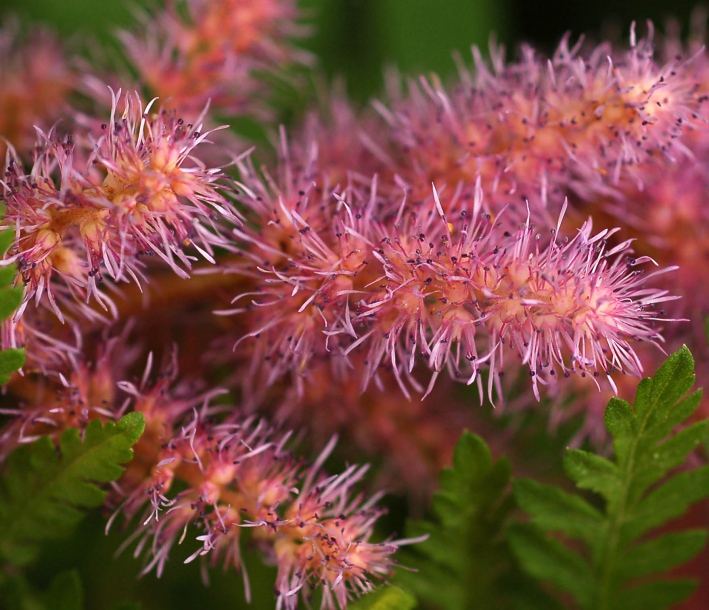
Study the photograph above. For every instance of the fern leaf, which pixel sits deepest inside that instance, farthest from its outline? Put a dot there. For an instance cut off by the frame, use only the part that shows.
(11, 360)
(549, 560)
(385, 598)
(46, 489)
(647, 449)
(465, 562)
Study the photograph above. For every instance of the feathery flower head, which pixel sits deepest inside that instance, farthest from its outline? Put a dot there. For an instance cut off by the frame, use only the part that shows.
(306, 251)
(142, 190)
(538, 129)
(238, 476)
(159, 189)
(440, 279)
(451, 287)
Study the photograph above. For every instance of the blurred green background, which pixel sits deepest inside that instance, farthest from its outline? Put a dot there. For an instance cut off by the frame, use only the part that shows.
(357, 37)
(354, 38)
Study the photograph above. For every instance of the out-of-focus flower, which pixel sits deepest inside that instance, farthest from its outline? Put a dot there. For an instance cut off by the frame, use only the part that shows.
(409, 440)
(64, 389)
(36, 82)
(196, 51)
(539, 130)
(439, 279)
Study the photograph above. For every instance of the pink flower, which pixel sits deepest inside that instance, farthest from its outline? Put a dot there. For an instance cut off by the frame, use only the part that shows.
(437, 279)
(462, 292)
(196, 52)
(36, 83)
(541, 129)
(141, 191)
(237, 477)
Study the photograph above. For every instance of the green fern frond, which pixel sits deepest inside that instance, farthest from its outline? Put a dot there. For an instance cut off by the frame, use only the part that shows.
(385, 598)
(45, 489)
(11, 360)
(613, 571)
(465, 562)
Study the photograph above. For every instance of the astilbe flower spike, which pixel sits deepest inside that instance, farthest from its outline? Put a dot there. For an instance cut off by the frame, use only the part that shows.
(455, 289)
(563, 307)
(238, 476)
(139, 190)
(574, 125)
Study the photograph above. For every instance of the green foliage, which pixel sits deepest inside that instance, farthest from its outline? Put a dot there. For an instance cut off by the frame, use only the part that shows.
(612, 573)
(45, 488)
(65, 592)
(10, 299)
(385, 598)
(465, 562)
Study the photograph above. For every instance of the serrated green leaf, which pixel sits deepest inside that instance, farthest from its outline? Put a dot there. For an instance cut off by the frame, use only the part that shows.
(10, 299)
(552, 508)
(661, 554)
(385, 598)
(593, 472)
(669, 384)
(648, 447)
(551, 561)
(657, 595)
(11, 360)
(45, 490)
(681, 412)
(465, 562)
(670, 500)
(666, 456)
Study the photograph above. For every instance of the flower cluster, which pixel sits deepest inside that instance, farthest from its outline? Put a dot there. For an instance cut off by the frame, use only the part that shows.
(236, 476)
(195, 52)
(577, 124)
(82, 212)
(436, 279)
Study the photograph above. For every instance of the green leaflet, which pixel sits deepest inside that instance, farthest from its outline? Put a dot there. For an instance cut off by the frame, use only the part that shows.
(466, 562)
(10, 299)
(637, 497)
(385, 598)
(44, 489)
(10, 361)
(65, 592)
